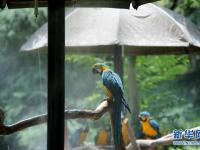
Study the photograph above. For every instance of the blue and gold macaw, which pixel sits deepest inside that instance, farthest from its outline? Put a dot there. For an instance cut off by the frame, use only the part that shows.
(149, 126)
(103, 137)
(79, 136)
(114, 90)
(125, 131)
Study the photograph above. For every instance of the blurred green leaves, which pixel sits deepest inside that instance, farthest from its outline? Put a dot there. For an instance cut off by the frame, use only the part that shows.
(153, 69)
(20, 94)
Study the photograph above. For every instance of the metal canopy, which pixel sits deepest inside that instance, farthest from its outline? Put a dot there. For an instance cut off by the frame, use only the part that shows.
(76, 3)
(149, 30)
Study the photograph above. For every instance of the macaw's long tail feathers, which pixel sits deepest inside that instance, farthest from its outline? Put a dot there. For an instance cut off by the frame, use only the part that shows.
(126, 105)
(159, 134)
(117, 123)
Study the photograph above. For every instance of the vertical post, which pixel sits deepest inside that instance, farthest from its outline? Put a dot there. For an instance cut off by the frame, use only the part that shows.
(118, 67)
(2, 4)
(133, 93)
(118, 61)
(56, 43)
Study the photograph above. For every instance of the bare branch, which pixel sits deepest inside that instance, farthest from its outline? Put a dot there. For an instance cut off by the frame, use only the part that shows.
(93, 147)
(104, 107)
(165, 140)
(131, 137)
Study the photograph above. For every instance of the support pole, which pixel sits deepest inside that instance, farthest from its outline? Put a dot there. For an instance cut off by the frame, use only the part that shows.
(118, 61)
(133, 97)
(118, 67)
(133, 93)
(56, 43)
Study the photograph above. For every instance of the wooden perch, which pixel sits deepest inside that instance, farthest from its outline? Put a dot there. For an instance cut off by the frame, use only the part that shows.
(104, 107)
(165, 140)
(5, 130)
(131, 135)
(94, 147)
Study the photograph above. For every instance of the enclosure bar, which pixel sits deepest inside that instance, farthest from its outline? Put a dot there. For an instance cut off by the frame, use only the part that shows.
(118, 61)
(133, 93)
(81, 3)
(56, 43)
(118, 67)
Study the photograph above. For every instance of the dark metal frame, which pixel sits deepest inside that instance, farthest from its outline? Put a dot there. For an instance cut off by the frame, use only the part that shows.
(56, 55)
(118, 60)
(56, 80)
(79, 3)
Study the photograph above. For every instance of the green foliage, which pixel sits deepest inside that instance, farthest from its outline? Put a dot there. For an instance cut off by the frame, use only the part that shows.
(187, 6)
(157, 91)
(39, 140)
(22, 95)
(159, 69)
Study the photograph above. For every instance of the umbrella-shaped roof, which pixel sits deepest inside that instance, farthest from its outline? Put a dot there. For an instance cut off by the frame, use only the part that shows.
(149, 30)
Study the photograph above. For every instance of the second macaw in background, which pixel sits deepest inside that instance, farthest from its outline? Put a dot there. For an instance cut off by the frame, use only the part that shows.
(103, 137)
(114, 91)
(125, 131)
(78, 137)
(149, 127)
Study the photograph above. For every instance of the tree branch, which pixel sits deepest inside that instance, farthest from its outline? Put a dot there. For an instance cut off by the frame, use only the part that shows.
(131, 136)
(93, 147)
(104, 107)
(165, 140)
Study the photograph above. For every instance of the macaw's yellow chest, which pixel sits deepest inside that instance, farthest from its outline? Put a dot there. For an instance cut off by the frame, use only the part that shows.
(102, 138)
(108, 92)
(148, 130)
(82, 138)
(125, 133)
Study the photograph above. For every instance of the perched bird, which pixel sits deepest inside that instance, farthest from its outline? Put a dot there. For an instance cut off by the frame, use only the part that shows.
(103, 137)
(150, 127)
(125, 131)
(79, 136)
(114, 90)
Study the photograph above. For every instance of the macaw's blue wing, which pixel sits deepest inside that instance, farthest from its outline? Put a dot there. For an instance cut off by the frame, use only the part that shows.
(113, 83)
(74, 138)
(155, 126)
(139, 135)
(118, 80)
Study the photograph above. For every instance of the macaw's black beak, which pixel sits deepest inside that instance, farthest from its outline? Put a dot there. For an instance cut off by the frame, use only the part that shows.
(142, 118)
(95, 71)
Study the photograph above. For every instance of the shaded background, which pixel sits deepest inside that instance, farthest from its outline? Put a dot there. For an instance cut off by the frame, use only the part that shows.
(168, 86)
